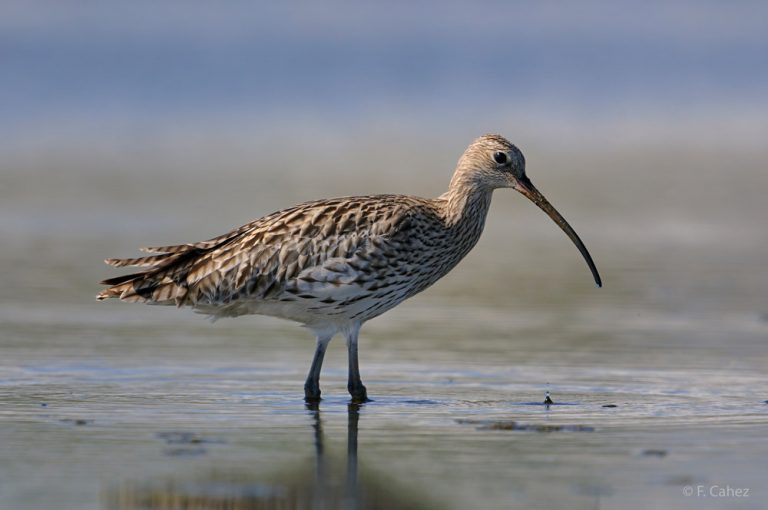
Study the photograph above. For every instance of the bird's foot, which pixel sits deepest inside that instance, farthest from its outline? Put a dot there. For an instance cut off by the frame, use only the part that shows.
(311, 393)
(359, 394)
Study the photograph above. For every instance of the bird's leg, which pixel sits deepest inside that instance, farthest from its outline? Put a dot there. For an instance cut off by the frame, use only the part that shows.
(312, 385)
(355, 385)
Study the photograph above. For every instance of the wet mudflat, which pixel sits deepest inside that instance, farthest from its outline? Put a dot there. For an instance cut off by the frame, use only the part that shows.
(658, 380)
(172, 431)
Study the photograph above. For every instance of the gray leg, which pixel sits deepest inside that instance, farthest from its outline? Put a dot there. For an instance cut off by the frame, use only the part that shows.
(312, 386)
(355, 385)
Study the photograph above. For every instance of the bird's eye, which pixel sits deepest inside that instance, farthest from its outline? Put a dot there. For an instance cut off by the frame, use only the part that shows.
(500, 158)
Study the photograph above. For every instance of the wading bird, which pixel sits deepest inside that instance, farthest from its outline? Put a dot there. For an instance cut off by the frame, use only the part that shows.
(334, 264)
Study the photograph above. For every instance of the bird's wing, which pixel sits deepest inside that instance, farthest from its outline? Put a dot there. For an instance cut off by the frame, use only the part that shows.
(267, 256)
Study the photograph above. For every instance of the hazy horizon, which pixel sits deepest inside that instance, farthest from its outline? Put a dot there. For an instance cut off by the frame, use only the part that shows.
(107, 74)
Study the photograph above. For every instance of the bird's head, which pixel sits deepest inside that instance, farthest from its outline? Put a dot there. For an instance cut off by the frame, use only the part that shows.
(492, 162)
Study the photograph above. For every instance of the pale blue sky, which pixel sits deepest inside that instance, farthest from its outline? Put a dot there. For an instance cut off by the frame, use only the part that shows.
(123, 65)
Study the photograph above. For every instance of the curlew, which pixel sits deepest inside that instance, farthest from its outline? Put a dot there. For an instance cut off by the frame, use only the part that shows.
(334, 264)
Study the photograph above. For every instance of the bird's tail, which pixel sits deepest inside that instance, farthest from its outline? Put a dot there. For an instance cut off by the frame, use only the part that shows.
(159, 284)
(165, 282)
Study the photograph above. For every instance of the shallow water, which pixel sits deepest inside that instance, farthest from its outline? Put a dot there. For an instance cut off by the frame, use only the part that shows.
(658, 379)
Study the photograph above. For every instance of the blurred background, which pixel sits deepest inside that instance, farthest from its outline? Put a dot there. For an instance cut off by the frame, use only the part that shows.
(168, 122)
(126, 124)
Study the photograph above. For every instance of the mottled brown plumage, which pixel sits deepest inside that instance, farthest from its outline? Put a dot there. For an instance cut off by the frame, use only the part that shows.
(334, 264)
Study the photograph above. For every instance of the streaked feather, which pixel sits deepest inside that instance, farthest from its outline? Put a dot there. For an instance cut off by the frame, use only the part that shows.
(341, 259)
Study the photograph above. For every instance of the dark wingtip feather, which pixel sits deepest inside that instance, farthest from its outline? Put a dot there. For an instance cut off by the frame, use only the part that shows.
(117, 280)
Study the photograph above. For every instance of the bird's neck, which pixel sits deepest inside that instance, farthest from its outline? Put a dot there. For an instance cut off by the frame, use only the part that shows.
(466, 203)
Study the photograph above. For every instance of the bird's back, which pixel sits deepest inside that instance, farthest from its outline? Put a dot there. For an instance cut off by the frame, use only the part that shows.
(342, 259)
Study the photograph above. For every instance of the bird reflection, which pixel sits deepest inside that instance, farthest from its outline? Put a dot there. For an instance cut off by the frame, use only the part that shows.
(330, 485)
(323, 489)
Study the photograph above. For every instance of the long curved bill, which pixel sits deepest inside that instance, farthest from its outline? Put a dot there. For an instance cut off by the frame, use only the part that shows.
(526, 187)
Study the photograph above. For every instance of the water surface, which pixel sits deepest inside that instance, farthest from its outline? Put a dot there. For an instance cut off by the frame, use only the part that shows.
(658, 379)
